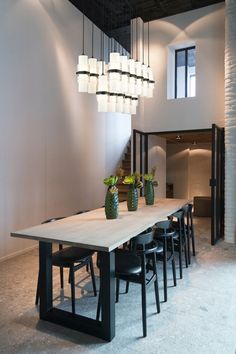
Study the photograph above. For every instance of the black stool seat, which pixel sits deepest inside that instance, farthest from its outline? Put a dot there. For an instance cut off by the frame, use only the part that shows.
(159, 248)
(67, 256)
(127, 263)
(73, 258)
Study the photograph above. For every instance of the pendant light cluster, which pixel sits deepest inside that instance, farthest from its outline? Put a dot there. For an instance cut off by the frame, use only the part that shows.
(119, 83)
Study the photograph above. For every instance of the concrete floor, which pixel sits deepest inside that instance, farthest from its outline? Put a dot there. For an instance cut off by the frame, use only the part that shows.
(199, 317)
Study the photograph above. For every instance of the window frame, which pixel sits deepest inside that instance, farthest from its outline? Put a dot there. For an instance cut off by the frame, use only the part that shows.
(185, 50)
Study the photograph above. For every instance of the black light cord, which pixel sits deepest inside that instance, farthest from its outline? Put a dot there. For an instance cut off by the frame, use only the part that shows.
(143, 42)
(83, 35)
(148, 44)
(92, 37)
(136, 39)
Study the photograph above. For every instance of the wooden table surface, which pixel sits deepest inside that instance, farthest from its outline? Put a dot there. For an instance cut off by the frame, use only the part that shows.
(93, 231)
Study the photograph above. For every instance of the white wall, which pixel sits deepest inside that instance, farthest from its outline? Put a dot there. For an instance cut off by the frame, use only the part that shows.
(55, 149)
(189, 169)
(157, 157)
(199, 170)
(177, 168)
(204, 27)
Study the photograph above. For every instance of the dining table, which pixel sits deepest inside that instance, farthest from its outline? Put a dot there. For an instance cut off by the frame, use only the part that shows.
(91, 230)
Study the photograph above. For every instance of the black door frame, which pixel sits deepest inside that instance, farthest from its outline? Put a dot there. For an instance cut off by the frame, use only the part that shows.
(217, 184)
(217, 164)
(143, 153)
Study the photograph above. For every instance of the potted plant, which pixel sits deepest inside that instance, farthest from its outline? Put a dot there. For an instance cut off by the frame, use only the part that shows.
(149, 186)
(134, 183)
(112, 199)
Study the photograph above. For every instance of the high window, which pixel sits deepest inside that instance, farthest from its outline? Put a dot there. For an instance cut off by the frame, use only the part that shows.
(185, 72)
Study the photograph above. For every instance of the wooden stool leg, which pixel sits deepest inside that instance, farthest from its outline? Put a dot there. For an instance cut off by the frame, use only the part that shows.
(173, 261)
(192, 236)
(117, 289)
(156, 283)
(61, 277)
(98, 307)
(37, 291)
(93, 277)
(144, 306)
(72, 284)
(165, 268)
(127, 287)
(180, 255)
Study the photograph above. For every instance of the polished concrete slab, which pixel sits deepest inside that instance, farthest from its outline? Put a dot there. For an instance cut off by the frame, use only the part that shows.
(199, 317)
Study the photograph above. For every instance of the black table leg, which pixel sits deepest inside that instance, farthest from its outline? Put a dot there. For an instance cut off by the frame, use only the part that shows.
(107, 289)
(105, 328)
(45, 283)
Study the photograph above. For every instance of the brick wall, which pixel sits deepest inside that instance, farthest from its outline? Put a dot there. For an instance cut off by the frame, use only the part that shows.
(230, 121)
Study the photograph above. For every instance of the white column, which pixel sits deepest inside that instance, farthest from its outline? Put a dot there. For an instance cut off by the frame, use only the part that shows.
(230, 121)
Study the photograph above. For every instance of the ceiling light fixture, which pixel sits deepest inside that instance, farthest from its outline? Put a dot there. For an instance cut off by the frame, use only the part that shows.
(93, 69)
(102, 89)
(150, 81)
(83, 69)
(117, 84)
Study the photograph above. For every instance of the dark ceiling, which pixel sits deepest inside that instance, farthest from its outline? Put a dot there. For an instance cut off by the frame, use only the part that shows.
(112, 15)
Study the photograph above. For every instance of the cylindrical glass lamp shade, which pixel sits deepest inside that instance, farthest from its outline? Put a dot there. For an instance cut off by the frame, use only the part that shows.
(114, 71)
(127, 105)
(101, 68)
(151, 82)
(138, 71)
(83, 73)
(131, 83)
(93, 71)
(102, 103)
(112, 103)
(114, 82)
(145, 80)
(124, 74)
(114, 63)
(134, 104)
(102, 93)
(120, 103)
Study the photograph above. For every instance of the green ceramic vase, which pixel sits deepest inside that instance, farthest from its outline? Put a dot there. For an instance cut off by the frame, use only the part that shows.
(132, 199)
(111, 205)
(149, 193)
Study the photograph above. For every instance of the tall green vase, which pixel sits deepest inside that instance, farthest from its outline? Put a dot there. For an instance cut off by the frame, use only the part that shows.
(111, 205)
(149, 193)
(132, 199)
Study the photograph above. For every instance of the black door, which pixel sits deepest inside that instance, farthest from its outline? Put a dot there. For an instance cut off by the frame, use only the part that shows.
(217, 184)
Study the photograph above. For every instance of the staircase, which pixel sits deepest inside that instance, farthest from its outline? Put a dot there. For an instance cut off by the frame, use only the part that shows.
(126, 166)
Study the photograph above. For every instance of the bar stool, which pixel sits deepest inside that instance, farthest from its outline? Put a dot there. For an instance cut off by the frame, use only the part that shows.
(131, 266)
(180, 238)
(165, 233)
(73, 258)
(190, 231)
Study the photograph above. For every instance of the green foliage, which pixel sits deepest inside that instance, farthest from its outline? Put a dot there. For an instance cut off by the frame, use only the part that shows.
(110, 181)
(134, 180)
(150, 176)
(129, 179)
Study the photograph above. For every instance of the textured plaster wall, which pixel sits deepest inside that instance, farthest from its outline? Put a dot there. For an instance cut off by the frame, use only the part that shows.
(55, 149)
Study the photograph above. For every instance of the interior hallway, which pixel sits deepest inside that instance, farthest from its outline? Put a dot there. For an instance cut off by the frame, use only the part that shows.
(199, 317)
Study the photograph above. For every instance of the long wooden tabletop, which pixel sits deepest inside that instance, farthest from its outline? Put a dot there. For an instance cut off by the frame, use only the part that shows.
(93, 231)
